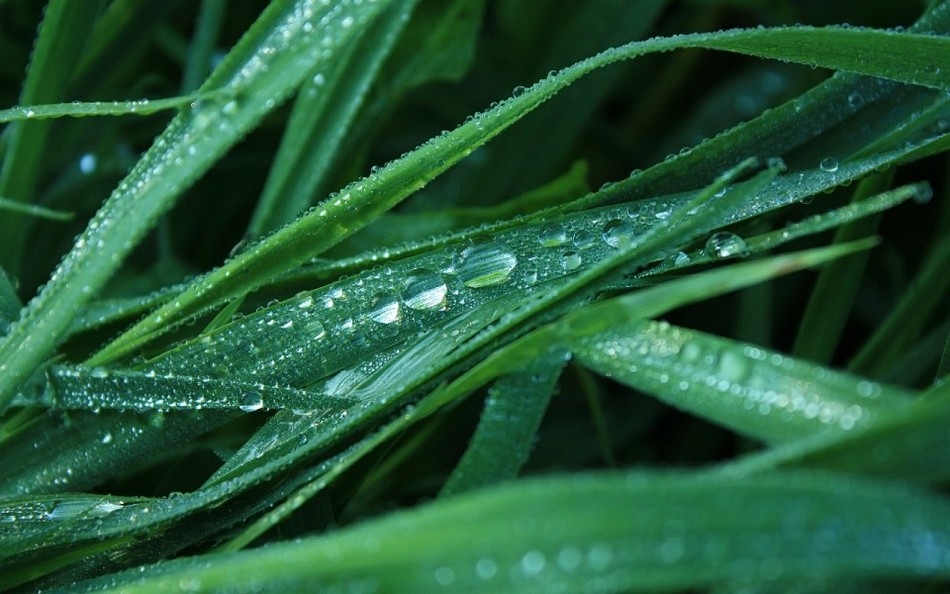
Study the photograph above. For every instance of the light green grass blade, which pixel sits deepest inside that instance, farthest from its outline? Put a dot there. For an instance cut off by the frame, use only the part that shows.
(759, 393)
(202, 46)
(601, 533)
(264, 68)
(79, 109)
(361, 202)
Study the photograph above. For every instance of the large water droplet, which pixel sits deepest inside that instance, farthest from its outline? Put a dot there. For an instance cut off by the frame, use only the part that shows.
(617, 233)
(486, 264)
(251, 401)
(385, 308)
(725, 245)
(424, 289)
(829, 164)
(552, 236)
(571, 260)
(583, 239)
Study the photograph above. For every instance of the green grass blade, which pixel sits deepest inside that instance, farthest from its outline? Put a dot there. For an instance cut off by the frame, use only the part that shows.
(78, 109)
(833, 296)
(201, 49)
(266, 66)
(759, 393)
(322, 116)
(601, 533)
(62, 36)
(927, 293)
(503, 440)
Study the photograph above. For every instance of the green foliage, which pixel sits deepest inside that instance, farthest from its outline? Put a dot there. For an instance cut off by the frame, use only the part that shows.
(354, 298)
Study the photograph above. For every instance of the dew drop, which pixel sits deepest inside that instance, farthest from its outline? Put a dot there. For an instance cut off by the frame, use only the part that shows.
(424, 289)
(680, 258)
(518, 91)
(533, 562)
(317, 329)
(617, 233)
(552, 236)
(251, 401)
(583, 239)
(385, 308)
(829, 164)
(306, 303)
(733, 366)
(485, 265)
(88, 163)
(571, 260)
(725, 245)
(486, 568)
(444, 575)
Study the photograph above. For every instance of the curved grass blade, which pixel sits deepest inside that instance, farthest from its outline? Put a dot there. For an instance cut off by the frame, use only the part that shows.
(601, 533)
(34, 210)
(761, 394)
(364, 200)
(263, 68)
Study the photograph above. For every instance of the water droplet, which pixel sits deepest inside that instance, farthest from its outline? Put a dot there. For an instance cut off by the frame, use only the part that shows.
(571, 260)
(680, 258)
(88, 163)
(486, 568)
(829, 164)
(317, 329)
(518, 91)
(583, 239)
(617, 233)
(725, 245)
(306, 302)
(569, 559)
(552, 236)
(424, 289)
(733, 366)
(533, 562)
(385, 308)
(485, 264)
(251, 401)
(444, 576)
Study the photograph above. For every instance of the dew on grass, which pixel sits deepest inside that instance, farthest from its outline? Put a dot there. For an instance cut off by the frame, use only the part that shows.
(251, 401)
(423, 290)
(725, 245)
(485, 264)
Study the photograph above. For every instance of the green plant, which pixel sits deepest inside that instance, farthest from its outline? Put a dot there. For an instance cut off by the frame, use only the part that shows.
(232, 353)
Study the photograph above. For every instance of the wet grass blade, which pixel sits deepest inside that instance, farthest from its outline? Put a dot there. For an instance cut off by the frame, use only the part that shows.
(601, 533)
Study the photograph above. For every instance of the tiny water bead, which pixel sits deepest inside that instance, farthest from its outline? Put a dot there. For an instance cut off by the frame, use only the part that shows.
(725, 245)
(485, 264)
(584, 239)
(617, 233)
(424, 289)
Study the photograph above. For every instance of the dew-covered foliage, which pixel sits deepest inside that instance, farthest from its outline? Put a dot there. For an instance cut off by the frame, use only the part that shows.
(474, 296)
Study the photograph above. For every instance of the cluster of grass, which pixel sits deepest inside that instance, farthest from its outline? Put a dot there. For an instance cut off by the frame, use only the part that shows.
(479, 296)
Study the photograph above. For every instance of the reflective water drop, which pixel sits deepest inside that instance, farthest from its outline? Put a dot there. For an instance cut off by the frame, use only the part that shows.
(733, 366)
(725, 245)
(424, 289)
(88, 163)
(583, 239)
(306, 303)
(485, 264)
(829, 164)
(680, 258)
(317, 329)
(385, 308)
(617, 233)
(533, 562)
(552, 236)
(251, 401)
(571, 260)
